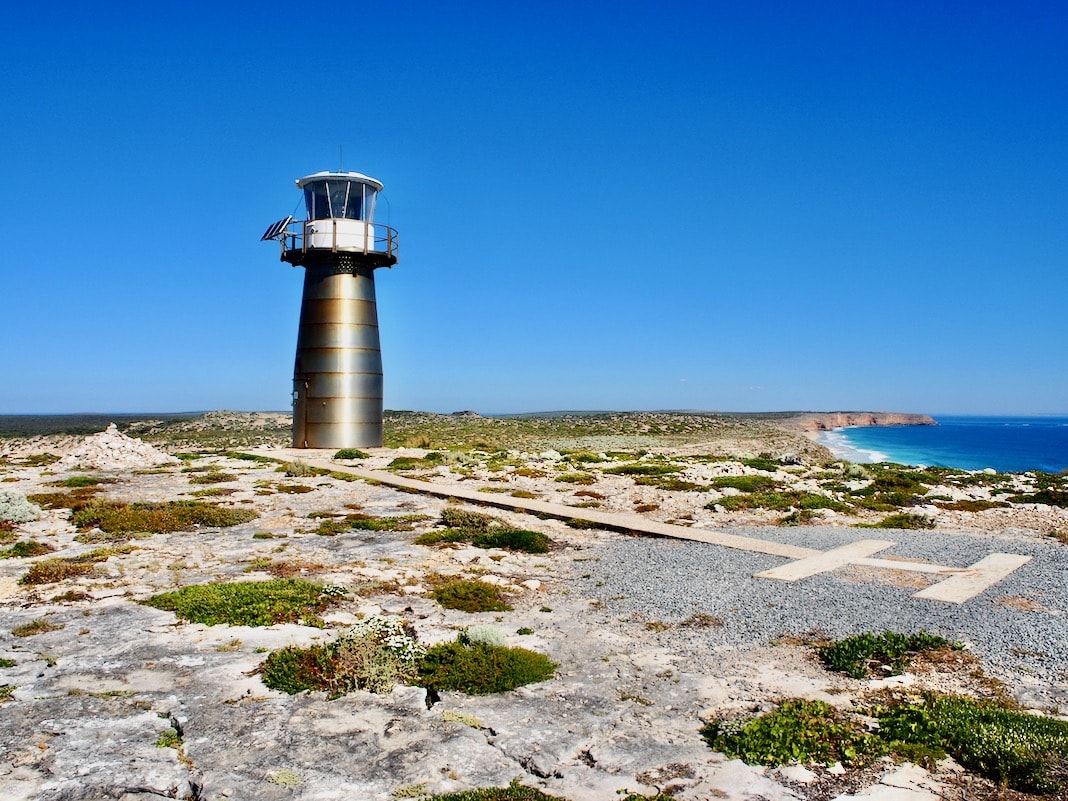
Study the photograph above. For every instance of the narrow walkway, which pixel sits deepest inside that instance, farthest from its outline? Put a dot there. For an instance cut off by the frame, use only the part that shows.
(960, 584)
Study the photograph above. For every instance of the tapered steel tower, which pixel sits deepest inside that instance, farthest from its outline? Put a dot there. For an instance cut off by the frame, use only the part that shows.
(337, 377)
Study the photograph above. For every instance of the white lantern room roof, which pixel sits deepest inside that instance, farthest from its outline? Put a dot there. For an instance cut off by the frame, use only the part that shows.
(344, 176)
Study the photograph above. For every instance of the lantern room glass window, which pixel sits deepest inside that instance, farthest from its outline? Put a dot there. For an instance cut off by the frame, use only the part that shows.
(340, 200)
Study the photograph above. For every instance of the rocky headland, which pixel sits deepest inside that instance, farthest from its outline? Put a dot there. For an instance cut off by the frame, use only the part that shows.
(825, 421)
(103, 696)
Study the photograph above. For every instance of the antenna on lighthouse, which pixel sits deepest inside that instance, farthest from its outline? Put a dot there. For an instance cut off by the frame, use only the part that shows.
(337, 374)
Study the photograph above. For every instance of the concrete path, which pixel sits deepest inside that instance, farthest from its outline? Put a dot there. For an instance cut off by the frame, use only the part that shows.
(960, 584)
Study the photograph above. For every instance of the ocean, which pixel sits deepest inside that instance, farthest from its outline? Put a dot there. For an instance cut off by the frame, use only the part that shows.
(1006, 444)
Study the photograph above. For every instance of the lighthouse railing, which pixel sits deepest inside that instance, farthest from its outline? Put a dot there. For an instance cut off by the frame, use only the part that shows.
(378, 238)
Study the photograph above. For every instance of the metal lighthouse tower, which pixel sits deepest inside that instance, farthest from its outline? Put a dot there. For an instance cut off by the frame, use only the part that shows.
(337, 376)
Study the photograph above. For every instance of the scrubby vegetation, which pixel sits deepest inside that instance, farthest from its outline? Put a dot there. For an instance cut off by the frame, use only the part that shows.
(483, 531)
(15, 508)
(481, 668)
(470, 596)
(117, 517)
(39, 626)
(247, 603)
(357, 521)
(1023, 751)
(797, 731)
(379, 653)
(50, 571)
(350, 453)
(517, 792)
(778, 500)
(749, 483)
(374, 655)
(903, 520)
(403, 463)
(856, 656)
(25, 549)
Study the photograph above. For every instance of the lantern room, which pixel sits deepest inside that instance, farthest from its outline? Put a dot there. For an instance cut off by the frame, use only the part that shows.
(340, 196)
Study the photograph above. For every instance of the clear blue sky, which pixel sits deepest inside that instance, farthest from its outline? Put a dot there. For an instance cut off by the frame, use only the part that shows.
(723, 205)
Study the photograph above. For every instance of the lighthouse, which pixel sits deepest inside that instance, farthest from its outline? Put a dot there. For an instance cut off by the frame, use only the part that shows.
(337, 374)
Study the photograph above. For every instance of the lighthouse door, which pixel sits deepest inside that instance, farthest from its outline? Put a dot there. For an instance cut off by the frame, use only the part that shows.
(300, 413)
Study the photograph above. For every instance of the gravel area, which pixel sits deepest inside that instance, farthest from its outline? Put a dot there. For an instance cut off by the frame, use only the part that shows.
(1017, 628)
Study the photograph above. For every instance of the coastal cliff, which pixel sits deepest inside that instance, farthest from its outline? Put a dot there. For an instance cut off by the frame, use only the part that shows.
(825, 421)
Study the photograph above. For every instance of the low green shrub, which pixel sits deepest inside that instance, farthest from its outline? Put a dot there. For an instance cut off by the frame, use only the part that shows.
(299, 469)
(293, 489)
(484, 531)
(581, 525)
(117, 517)
(798, 517)
(748, 483)
(577, 478)
(1027, 752)
(481, 668)
(73, 500)
(902, 520)
(81, 481)
(671, 484)
(376, 654)
(37, 460)
(579, 457)
(765, 463)
(470, 596)
(969, 505)
(26, 549)
(39, 626)
(350, 453)
(442, 535)
(856, 656)
(644, 469)
(892, 488)
(474, 522)
(50, 571)
(432, 459)
(1050, 497)
(362, 522)
(513, 792)
(797, 731)
(212, 477)
(169, 738)
(513, 540)
(247, 603)
(245, 457)
(213, 492)
(358, 521)
(778, 500)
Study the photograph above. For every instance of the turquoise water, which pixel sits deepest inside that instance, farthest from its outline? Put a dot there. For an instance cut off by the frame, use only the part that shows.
(1007, 444)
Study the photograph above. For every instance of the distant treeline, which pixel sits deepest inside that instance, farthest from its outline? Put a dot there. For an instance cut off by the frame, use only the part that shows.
(32, 425)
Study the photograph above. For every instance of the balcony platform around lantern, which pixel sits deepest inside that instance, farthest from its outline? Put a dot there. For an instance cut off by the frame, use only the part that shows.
(314, 242)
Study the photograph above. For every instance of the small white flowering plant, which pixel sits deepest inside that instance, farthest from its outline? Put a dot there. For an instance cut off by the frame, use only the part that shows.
(376, 654)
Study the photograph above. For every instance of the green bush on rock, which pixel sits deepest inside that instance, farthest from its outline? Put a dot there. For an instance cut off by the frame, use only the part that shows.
(470, 596)
(481, 668)
(247, 603)
(1026, 752)
(376, 654)
(797, 731)
(855, 656)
